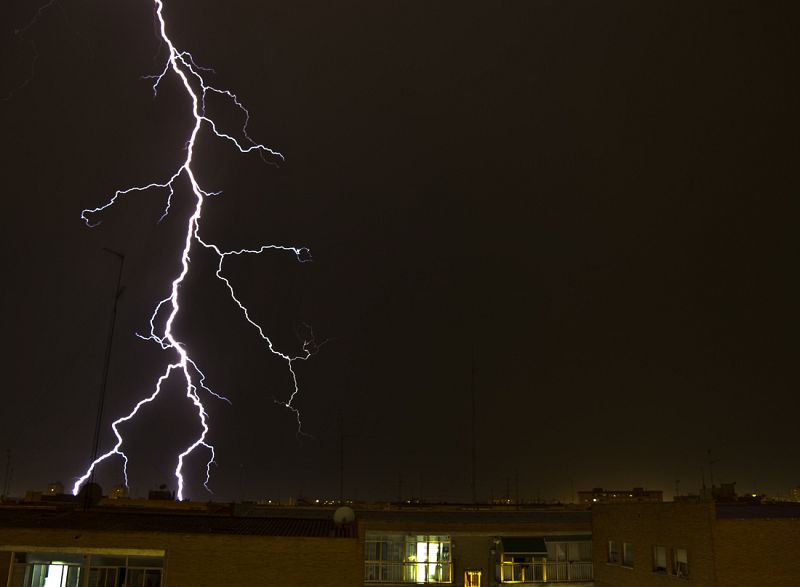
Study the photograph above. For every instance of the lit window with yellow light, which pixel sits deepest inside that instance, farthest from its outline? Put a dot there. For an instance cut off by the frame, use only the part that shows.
(407, 558)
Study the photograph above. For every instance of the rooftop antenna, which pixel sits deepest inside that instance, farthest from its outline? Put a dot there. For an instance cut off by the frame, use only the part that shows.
(474, 450)
(342, 438)
(703, 489)
(711, 469)
(341, 458)
(400, 487)
(106, 363)
(7, 477)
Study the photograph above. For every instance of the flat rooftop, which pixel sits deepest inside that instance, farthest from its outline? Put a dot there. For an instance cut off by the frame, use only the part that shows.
(55, 518)
(767, 511)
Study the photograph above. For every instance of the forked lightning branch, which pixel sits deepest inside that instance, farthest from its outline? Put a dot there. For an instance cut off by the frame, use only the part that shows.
(192, 79)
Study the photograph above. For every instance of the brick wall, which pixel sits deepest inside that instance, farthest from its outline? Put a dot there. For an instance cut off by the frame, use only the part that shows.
(757, 552)
(472, 552)
(195, 560)
(672, 525)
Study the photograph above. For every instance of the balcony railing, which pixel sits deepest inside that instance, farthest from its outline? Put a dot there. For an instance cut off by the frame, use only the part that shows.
(546, 572)
(407, 572)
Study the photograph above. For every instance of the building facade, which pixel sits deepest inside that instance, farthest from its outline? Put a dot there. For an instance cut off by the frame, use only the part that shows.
(62, 546)
(477, 548)
(704, 543)
(50, 547)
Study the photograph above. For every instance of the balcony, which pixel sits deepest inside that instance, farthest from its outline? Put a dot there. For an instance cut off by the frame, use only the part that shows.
(546, 572)
(407, 572)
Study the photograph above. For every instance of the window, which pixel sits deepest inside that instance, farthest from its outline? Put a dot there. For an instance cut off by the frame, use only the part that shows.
(681, 562)
(399, 558)
(569, 561)
(520, 567)
(613, 552)
(660, 559)
(627, 554)
(46, 569)
(55, 569)
(472, 578)
(573, 551)
(131, 571)
(545, 559)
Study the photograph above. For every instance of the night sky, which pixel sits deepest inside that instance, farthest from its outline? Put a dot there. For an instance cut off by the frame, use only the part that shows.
(592, 203)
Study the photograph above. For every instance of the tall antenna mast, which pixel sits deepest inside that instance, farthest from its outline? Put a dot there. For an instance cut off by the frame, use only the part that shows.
(341, 459)
(7, 477)
(711, 469)
(106, 365)
(474, 448)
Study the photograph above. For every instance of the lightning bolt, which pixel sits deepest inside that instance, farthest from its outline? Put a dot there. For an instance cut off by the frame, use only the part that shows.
(20, 34)
(191, 76)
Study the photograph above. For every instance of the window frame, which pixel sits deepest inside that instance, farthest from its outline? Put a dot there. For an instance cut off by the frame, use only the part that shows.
(680, 568)
(397, 553)
(628, 554)
(473, 577)
(81, 559)
(522, 567)
(663, 570)
(614, 553)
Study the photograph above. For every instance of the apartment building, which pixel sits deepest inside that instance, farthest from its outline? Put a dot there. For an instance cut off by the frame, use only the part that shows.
(702, 543)
(478, 547)
(176, 545)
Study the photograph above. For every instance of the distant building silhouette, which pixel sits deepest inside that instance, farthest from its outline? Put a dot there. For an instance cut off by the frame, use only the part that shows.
(637, 494)
(724, 492)
(795, 494)
(56, 488)
(118, 492)
(161, 494)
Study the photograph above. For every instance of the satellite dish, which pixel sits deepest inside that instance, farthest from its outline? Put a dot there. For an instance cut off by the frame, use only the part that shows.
(344, 515)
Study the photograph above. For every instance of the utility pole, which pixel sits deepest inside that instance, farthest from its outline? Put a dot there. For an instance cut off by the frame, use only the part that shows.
(106, 365)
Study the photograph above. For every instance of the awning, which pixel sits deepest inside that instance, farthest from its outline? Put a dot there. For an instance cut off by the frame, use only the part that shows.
(524, 545)
(569, 538)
